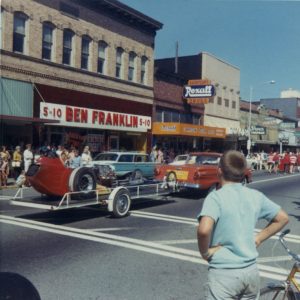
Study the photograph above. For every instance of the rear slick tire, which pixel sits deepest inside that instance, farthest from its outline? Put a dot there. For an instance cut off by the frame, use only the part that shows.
(83, 180)
(269, 293)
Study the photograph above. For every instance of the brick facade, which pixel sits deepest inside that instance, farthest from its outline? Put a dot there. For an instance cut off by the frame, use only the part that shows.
(99, 27)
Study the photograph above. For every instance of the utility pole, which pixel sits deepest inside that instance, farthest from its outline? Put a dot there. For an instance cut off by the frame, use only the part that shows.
(176, 57)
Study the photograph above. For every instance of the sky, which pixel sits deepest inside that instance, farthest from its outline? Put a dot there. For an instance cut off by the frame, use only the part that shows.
(260, 37)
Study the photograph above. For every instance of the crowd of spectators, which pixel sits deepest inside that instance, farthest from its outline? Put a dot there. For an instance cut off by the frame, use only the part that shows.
(15, 163)
(287, 162)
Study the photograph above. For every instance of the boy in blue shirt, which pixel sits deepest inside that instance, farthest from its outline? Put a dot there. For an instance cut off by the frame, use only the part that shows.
(226, 232)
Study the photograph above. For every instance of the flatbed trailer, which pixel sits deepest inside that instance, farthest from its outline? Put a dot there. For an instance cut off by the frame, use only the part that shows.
(118, 199)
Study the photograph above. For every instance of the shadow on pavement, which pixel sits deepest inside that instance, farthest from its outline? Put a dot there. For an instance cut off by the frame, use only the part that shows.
(89, 212)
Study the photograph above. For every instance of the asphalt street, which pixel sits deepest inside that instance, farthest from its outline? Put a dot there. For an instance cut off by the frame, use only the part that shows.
(84, 253)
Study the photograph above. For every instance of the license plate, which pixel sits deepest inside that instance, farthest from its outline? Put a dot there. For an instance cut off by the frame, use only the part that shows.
(182, 175)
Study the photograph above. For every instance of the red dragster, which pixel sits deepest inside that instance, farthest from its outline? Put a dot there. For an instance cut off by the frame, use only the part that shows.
(199, 171)
(50, 176)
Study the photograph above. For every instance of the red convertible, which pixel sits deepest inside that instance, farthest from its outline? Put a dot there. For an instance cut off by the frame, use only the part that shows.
(51, 177)
(200, 171)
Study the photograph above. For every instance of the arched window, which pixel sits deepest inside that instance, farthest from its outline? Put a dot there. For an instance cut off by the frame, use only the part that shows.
(67, 46)
(131, 66)
(102, 47)
(144, 69)
(119, 62)
(19, 37)
(47, 45)
(85, 51)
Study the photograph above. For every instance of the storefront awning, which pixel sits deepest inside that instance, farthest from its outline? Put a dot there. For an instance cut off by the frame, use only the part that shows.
(25, 120)
(182, 129)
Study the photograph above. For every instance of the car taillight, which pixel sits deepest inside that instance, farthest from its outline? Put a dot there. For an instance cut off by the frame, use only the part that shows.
(197, 175)
(156, 171)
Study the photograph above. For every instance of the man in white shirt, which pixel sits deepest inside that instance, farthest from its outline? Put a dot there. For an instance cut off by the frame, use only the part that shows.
(86, 157)
(28, 157)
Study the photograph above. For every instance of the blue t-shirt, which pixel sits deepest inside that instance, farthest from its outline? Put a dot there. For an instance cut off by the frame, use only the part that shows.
(235, 210)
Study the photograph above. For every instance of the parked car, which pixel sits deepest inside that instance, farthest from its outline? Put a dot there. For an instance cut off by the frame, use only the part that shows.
(127, 165)
(199, 172)
(51, 177)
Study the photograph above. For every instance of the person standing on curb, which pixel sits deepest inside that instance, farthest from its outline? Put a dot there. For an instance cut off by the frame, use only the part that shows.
(226, 232)
(28, 157)
(16, 162)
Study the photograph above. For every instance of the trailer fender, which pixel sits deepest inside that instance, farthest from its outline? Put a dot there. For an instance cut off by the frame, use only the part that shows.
(112, 196)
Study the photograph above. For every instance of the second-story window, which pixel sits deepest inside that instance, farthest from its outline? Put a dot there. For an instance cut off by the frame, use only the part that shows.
(47, 40)
(119, 58)
(131, 66)
(143, 69)
(85, 52)
(67, 46)
(19, 36)
(101, 57)
(226, 101)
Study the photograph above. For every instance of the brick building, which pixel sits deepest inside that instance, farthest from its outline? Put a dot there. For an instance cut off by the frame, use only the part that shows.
(209, 126)
(76, 72)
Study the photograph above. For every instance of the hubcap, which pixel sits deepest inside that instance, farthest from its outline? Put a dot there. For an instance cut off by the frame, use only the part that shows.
(122, 203)
(86, 183)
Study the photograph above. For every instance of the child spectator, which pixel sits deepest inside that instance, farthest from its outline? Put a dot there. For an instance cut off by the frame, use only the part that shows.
(21, 179)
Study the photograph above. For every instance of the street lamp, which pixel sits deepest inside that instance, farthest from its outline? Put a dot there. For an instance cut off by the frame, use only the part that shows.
(250, 114)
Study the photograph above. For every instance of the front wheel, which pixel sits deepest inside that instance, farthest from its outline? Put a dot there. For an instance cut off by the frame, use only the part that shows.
(276, 293)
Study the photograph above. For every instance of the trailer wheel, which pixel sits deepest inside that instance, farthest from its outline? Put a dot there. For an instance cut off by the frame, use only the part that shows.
(83, 180)
(121, 203)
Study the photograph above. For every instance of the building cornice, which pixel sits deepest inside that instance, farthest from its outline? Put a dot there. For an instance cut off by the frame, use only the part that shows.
(71, 81)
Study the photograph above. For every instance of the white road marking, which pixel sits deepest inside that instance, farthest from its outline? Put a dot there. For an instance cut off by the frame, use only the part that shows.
(111, 229)
(273, 259)
(130, 243)
(146, 216)
(175, 242)
(273, 179)
(190, 221)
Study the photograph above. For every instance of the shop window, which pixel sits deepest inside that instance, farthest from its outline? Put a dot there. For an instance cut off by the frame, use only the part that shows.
(131, 66)
(196, 119)
(119, 62)
(85, 51)
(175, 117)
(219, 101)
(143, 69)
(167, 116)
(47, 40)
(67, 46)
(159, 116)
(102, 46)
(226, 101)
(233, 105)
(19, 37)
